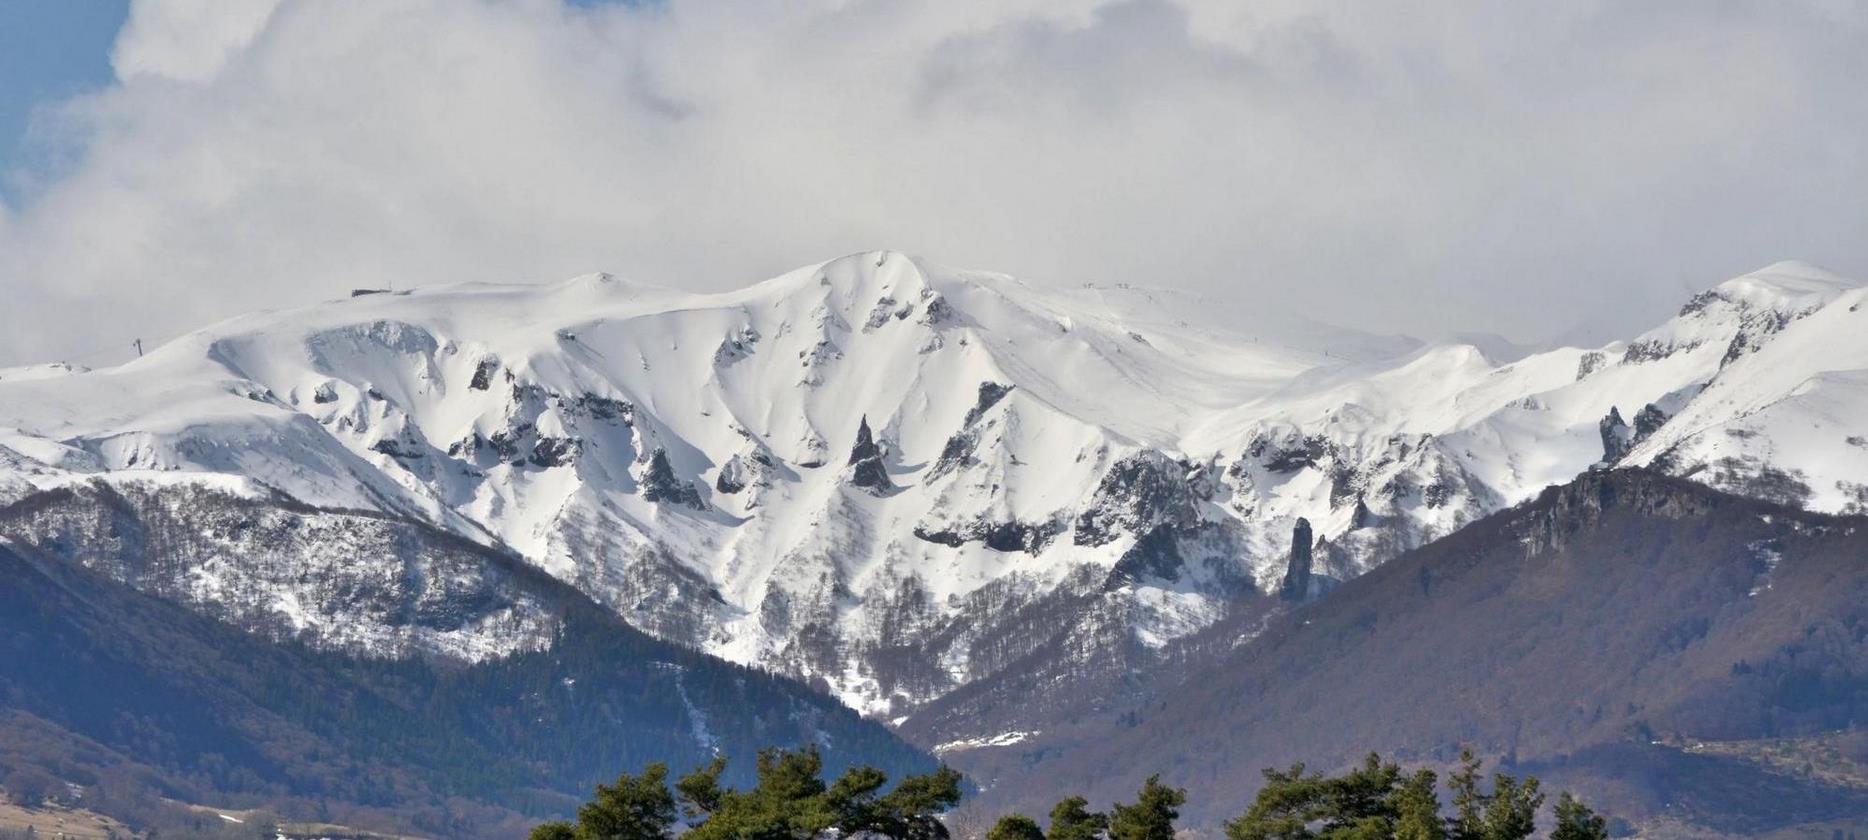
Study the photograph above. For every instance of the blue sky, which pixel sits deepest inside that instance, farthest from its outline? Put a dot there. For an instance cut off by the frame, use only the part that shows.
(49, 50)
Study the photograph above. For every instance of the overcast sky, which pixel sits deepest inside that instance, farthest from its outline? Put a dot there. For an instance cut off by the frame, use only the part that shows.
(1521, 168)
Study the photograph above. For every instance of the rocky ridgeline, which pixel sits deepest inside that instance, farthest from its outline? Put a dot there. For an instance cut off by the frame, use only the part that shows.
(898, 481)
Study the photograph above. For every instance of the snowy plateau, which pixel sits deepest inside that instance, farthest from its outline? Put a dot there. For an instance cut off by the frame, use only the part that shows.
(885, 477)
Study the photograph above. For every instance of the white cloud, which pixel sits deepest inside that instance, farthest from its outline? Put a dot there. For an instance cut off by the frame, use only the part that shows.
(187, 39)
(1452, 165)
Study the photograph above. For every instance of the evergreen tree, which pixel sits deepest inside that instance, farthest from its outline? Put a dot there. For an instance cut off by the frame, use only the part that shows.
(1366, 802)
(559, 830)
(791, 801)
(1508, 812)
(912, 810)
(787, 803)
(700, 790)
(1468, 803)
(1575, 821)
(1375, 801)
(1511, 810)
(1286, 806)
(1151, 817)
(1417, 809)
(1071, 820)
(635, 808)
(1015, 827)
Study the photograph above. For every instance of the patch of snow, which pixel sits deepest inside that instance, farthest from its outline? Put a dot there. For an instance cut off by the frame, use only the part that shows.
(1004, 739)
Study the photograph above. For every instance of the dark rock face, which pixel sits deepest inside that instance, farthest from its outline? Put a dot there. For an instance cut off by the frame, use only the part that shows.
(604, 408)
(990, 393)
(483, 374)
(1651, 350)
(1139, 492)
(1296, 586)
(555, 451)
(938, 312)
(1648, 422)
(1591, 362)
(745, 470)
(1156, 556)
(1617, 438)
(1029, 537)
(1753, 331)
(506, 442)
(1345, 484)
(958, 452)
(1288, 453)
(739, 345)
(866, 469)
(1362, 517)
(521, 443)
(395, 448)
(660, 485)
(1701, 301)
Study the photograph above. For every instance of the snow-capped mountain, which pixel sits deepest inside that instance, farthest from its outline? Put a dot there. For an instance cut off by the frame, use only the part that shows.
(898, 479)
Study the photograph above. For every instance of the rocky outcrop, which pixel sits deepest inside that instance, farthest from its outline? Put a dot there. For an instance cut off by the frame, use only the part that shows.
(1617, 437)
(990, 393)
(866, 468)
(1028, 537)
(555, 451)
(1136, 494)
(958, 452)
(1296, 585)
(1287, 450)
(659, 484)
(1754, 330)
(1590, 362)
(483, 374)
(1648, 421)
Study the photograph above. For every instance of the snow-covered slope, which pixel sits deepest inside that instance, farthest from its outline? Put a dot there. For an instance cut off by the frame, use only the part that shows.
(899, 479)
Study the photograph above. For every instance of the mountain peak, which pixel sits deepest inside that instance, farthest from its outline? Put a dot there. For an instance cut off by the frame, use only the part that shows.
(1788, 285)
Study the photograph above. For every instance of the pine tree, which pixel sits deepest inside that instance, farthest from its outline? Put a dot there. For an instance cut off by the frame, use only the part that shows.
(1575, 821)
(1151, 817)
(559, 830)
(1511, 811)
(1417, 809)
(1508, 812)
(700, 790)
(1468, 821)
(1015, 827)
(1286, 806)
(791, 801)
(1070, 820)
(635, 808)
(912, 810)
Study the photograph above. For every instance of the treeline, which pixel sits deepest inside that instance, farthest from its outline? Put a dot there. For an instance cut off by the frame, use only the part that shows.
(791, 801)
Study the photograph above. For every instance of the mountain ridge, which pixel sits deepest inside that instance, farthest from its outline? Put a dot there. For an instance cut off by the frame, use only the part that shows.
(1119, 479)
(1712, 623)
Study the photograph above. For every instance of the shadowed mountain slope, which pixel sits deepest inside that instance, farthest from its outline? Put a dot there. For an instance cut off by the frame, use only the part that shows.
(1595, 634)
(101, 680)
